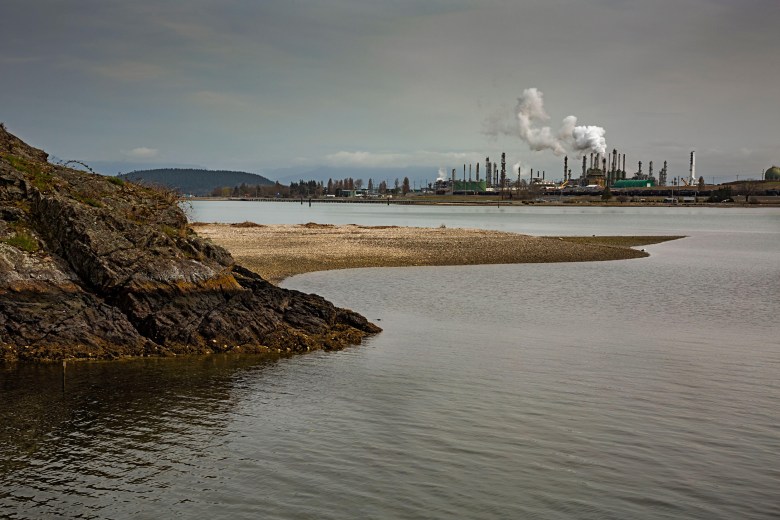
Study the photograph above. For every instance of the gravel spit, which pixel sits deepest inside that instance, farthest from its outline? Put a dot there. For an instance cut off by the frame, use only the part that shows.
(278, 251)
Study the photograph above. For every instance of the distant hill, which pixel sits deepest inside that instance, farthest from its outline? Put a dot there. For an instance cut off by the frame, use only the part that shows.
(194, 181)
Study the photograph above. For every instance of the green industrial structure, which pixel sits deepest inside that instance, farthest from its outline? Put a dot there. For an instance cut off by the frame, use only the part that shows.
(470, 186)
(634, 183)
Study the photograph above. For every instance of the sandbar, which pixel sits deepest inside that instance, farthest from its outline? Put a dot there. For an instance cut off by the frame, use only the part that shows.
(276, 252)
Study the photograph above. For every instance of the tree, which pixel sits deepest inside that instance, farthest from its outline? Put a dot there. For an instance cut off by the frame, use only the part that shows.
(721, 194)
(330, 186)
(397, 184)
(747, 189)
(370, 185)
(405, 189)
(701, 183)
(606, 194)
(383, 187)
(358, 183)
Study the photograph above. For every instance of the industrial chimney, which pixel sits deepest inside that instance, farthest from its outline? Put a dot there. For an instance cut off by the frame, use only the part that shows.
(662, 176)
(692, 178)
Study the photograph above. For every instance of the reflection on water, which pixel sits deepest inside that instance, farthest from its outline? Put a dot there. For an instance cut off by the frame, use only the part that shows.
(633, 389)
(73, 440)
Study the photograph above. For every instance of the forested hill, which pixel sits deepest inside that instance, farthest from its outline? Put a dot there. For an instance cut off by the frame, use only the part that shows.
(195, 182)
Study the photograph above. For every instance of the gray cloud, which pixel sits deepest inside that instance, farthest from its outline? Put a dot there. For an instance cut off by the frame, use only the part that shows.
(249, 84)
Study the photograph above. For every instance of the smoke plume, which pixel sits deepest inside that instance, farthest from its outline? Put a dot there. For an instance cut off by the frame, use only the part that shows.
(442, 175)
(516, 168)
(530, 114)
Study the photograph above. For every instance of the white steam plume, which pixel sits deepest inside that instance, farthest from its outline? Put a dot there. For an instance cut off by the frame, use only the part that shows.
(530, 112)
(442, 175)
(516, 168)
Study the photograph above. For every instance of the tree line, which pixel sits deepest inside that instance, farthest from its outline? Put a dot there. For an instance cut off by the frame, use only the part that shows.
(313, 189)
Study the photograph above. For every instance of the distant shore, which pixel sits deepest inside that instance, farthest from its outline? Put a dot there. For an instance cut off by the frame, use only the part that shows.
(278, 251)
(470, 200)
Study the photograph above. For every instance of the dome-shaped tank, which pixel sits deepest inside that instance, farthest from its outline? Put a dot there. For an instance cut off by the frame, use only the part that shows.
(772, 174)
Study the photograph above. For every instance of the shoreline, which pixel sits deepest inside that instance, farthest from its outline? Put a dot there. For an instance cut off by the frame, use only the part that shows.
(471, 201)
(276, 252)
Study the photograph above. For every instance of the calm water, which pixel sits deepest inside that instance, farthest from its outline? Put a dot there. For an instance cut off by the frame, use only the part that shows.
(632, 389)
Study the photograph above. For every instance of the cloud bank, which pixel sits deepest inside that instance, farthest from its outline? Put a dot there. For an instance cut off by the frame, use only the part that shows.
(141, 152)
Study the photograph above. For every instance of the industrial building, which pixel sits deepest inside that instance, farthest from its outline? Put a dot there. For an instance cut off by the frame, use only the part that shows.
(599, 171)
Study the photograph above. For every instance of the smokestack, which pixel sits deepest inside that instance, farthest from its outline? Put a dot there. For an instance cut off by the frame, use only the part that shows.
(543, 172)
(565, 167)
(477, 172)
(662, 176)
(614, 164)
(584, 165)
(640, 167)
(469, 172)
(693, 169)
(453, 178)
(591, 160)
(623, 169)
(650, 169)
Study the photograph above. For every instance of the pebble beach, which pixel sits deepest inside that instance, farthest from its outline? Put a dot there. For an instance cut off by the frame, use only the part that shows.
(278, 251)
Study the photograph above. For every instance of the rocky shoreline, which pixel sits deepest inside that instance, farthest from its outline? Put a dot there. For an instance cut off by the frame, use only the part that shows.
(276, 252)
(93, 267)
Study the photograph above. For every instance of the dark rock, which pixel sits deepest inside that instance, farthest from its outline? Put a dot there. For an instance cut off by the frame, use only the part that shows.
(91, 267)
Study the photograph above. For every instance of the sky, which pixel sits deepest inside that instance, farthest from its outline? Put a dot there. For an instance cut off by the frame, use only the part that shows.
(256, 85)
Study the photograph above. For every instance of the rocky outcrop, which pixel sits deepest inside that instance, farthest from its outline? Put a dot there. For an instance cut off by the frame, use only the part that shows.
(95, 267)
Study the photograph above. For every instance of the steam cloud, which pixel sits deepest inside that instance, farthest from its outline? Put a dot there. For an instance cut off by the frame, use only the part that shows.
(442, 175)
(530, 112)
(516, 168)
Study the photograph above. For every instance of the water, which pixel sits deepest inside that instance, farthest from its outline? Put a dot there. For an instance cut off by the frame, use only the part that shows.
(633, 389)
(536, 220)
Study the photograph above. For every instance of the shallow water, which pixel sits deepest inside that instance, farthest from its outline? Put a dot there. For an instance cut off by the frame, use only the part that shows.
(631, 389)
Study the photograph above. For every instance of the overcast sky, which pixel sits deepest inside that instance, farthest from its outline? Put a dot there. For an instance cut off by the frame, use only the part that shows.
(258, 84)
